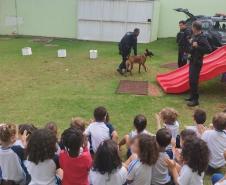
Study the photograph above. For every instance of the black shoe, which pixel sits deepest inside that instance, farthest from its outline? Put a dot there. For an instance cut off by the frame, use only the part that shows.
(188, 99)
(193, 103)
(120, 71)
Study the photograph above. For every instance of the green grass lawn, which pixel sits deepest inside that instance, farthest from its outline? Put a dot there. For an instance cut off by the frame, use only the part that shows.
(42, 87)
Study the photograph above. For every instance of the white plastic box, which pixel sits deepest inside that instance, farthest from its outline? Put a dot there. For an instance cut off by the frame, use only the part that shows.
(26, 51)
(93, 54)
(62, 53)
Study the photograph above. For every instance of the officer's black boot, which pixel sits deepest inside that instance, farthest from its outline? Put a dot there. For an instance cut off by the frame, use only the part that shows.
(188, 99)
(194, 102)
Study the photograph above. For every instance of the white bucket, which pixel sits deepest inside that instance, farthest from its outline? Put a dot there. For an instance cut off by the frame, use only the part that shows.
(93, 54)
(62, 53)
(26, 51)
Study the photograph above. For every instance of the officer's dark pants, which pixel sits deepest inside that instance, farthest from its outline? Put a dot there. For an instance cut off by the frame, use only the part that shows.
(194, 73)
(124, 53)
(182, 60)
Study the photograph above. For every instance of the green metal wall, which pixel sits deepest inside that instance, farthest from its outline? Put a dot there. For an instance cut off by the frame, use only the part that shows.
(56, 18)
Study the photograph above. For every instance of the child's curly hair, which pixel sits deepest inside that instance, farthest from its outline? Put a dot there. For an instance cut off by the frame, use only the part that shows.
(195, 154)
(168, 115)
(78, 123)
(148, 149)
(219, 121)
(41, 146)
(5, 133)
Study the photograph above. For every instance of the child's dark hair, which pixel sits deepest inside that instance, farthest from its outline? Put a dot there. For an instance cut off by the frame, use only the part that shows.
(187, 133)
(219, 121)
(30, 128)
(148, 149)
(140, 123)
(72, 140)
(100, 114)
(196, 154)
(163, 137)
(5, 133)
(41, 146)
(107, 158)
(52, 126)
(200, 116)
(182, 22)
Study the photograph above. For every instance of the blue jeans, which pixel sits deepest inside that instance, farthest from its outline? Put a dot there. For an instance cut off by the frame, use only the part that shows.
(217, 177)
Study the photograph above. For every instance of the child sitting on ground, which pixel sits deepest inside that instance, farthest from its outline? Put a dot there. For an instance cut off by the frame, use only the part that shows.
(140, 169)
(216, 141)
(52, 126)
(75, 161)
(195, 155)
(11, 159)
(107, 168)
(169, 118)
(98, 131)
(42, 162)
(140, 124)
(200, 119)
(160, 172)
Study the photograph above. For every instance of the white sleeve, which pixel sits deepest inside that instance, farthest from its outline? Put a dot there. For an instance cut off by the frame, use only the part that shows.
(123, 174)
(131, 171)
(185, 176)
(204, 136)
(87, 131)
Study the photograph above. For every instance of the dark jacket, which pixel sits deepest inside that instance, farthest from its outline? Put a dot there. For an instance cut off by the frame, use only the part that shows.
(128, 42)
(183, 38)
(202, 49)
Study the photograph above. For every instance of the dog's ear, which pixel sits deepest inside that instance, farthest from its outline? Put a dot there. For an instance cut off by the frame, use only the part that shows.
(147, 50)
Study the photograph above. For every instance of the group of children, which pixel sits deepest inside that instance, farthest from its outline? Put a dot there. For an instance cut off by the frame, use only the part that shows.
(89, 154)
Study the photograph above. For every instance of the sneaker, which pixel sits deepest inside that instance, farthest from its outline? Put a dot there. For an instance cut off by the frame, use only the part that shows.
(193, 103)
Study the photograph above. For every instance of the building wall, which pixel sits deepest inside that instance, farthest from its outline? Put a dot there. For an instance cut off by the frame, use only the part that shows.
(55, 18)
(168, 23)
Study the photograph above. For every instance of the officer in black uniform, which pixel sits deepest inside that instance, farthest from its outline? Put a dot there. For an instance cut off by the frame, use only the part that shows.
(199, 47)
(183, 38)
(128, 42)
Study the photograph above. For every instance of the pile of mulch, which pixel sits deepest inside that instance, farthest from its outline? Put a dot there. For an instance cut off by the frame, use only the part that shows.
(143, 88)
(170, 65)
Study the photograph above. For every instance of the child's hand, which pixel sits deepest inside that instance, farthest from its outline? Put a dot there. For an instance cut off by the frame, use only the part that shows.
(178, 155)
(171, 164)
(24, 137)
(158, 120)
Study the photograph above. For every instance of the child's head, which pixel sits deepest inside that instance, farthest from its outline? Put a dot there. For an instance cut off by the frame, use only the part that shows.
(195, 154)
(78, 123)
(30, 128)
(5, 135)
(219, 121)
(100, 114)
(52, 126)
(41, 146)
(163, 137)
(72, 140)
(169, 115)
(200, 116)
(146, 148)
(140, 123)
(13, 132)
(186, 134)
(107, 158)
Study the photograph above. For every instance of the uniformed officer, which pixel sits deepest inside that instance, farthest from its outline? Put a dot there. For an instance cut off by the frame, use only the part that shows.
(183, 38)
(127, 43)
(199, 47)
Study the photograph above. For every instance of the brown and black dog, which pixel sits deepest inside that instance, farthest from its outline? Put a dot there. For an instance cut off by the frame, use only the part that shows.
(139, 59)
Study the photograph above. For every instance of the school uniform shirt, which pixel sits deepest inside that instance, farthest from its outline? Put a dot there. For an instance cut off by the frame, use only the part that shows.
(97, 132)
(188, 177)
(11, 165)
(174, 128)
(160, 172)
(134, 133)
(221, 183)
(76, 169)
(139, 174)
(216, 142)
(43, 173)
(118, 177)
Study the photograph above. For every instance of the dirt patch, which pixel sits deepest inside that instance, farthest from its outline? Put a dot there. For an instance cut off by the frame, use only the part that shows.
(44, 40)
(221, 106)
(51, 45)
(5, 38)
(142, 88)
(170, 65)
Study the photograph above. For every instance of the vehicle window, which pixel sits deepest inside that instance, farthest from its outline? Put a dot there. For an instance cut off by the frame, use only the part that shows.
(220, 26)
(206, 25)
